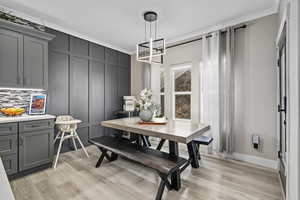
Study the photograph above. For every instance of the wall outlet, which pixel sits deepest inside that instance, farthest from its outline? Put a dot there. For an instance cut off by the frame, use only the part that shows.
(255, 141)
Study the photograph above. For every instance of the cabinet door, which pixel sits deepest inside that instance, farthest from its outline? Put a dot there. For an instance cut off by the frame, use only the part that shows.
(112, 100)
(79, 86)
(11, 59)
(35, 148)
(97, 111)
(123, 88)
(58, 88)
(35, 63)
(10, 163)
(8, 144)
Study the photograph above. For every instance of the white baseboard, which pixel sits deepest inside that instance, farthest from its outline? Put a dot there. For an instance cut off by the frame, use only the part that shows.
(273, 164)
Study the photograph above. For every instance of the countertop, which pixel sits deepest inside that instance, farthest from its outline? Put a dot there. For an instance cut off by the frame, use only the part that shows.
(5, 189)
(25, 118)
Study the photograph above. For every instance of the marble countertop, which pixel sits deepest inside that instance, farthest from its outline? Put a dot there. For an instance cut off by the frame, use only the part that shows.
(5, 189)
(179, 131)
(25, 118)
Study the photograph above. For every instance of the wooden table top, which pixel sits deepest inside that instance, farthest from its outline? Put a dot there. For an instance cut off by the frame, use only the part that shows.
(178, 131)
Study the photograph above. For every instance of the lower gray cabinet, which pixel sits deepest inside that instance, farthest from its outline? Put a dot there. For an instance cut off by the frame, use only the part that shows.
(8, 144)
(35, 148)
(10, 163)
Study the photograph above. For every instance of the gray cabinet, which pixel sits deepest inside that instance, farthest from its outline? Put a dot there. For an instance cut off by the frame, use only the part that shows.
(10, 163)
(35, 63)
(26, 145)
(35, 143)
(79, 86)
(97, 94)
(23, 56)
(11, 55)
(124, 82)
(58, 87)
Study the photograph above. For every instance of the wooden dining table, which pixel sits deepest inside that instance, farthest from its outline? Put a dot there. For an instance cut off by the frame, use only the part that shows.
(174, 131)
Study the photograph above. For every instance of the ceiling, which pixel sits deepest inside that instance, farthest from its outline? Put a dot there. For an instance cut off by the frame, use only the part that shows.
(119, 24)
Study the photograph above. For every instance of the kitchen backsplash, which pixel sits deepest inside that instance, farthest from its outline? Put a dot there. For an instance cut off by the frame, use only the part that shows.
(18, 98)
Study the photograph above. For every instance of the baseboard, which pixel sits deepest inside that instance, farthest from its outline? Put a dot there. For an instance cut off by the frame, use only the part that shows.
(273, 164)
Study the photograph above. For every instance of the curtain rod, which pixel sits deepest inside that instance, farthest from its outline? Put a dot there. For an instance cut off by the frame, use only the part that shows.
(208, 36)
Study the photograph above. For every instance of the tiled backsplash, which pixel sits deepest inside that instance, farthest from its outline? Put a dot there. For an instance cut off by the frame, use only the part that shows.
(19, 98)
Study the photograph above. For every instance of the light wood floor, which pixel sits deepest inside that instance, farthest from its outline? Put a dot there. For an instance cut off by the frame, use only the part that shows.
(76, 178)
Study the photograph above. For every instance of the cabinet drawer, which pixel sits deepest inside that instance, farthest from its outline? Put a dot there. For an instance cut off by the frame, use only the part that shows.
(8, 129)
(10, 163)
(35, 125)
(8, 144)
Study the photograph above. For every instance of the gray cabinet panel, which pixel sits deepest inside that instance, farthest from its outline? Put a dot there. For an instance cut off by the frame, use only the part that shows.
(111, 56)
(11, 59)
(35, 148)
(8, 129)
(8, 144)
(97, 73)
(97, 131)
(123, 89)
(112, 101)
(79, 46)
(124, 59)
(83, 134)
(97, 51)
(36, 125)
(60, 42)
(79, 78)
(35, 63)
(10, 163)
(58, 88)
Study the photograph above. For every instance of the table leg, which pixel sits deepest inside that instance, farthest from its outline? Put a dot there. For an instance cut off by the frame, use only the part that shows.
(192, 149)
(175, 176)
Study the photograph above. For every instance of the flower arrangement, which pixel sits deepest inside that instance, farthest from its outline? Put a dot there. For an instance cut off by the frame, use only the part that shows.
(144, 100)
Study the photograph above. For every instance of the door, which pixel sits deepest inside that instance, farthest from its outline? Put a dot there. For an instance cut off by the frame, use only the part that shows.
(35, 148)
(282, 108)
(11, 59)
(35, 63)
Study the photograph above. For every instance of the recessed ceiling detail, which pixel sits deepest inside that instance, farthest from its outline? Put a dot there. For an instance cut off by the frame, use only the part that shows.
(115, 23)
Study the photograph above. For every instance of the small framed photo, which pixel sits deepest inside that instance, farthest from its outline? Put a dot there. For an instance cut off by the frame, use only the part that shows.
(37, 104)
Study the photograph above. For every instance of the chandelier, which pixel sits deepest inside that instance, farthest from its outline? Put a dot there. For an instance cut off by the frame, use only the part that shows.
(153, 48)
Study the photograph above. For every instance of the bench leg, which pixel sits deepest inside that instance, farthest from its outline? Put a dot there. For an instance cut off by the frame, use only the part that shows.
(160, 191)
(160, 144)
(100, 160)
(175, 176)
(113, 157)
(192, 149)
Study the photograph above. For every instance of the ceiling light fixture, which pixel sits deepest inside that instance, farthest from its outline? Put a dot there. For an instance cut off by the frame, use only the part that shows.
(153, 49)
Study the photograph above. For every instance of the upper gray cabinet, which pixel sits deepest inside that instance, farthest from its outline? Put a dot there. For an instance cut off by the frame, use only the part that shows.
(97, 51)
(79, 46)
(124, 60)
(11, 55)
(60, 42)
(111, 56)
(23, 56)
(35, 63)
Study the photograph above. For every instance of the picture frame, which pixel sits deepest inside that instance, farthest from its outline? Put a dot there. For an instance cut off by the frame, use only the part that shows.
(37, 104)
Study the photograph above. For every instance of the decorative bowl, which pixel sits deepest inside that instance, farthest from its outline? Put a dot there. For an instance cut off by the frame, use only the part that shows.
(12, 111)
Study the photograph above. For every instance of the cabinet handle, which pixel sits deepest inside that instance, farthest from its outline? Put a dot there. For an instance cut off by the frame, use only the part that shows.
(21, 141)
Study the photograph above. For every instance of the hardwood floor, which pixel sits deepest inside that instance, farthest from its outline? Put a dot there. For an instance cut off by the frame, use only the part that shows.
(77, 178)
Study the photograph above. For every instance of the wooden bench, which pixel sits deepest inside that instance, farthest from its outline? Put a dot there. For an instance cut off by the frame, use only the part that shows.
(162, 162)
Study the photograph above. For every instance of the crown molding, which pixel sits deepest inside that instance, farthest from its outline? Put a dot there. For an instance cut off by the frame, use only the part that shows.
(62, 29)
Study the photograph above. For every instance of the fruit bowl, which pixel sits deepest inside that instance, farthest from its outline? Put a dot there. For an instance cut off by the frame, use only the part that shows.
(12, 111)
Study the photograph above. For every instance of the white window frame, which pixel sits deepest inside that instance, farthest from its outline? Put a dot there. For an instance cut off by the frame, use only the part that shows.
(162, 70)
(174, 93)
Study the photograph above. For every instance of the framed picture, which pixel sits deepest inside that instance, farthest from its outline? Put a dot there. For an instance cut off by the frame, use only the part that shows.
(37, 104)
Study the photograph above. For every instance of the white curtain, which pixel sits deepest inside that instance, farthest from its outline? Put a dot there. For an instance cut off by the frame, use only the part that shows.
(216, 89)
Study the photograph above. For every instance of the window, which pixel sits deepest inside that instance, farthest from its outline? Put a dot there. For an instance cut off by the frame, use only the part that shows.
(162, 91)
(182, 92)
